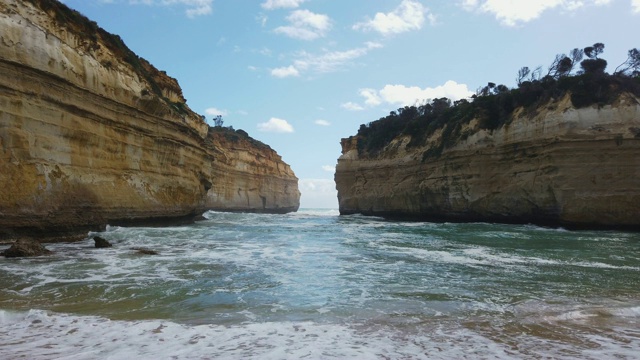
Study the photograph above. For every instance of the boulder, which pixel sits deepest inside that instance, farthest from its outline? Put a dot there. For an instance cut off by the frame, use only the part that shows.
(101, 242)
(26, 248)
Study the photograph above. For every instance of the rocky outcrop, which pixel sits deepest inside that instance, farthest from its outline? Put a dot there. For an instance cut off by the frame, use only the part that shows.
(101, 243)
(25, 248)
(248, 175)
(91, 134)
(557, 166)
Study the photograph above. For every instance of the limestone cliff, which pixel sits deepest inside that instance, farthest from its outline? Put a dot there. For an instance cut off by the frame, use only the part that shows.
(556, 166)
(91, 134)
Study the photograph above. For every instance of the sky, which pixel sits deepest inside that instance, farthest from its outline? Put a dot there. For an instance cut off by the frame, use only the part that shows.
(299, 75)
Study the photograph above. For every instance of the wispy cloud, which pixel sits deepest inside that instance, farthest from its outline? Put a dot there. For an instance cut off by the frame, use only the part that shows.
(409, 15)
(279, 4)
(262, 19)
(213, 111)
(513, 13)
(329, 168)
(635, 6)
(305, 25)
(284, 72)
(322, 122)
(326, 62)
(276, 125)
(194, 7)
(351, 106)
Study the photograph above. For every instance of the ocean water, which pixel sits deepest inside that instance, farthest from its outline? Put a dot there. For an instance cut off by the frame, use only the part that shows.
(315, 285)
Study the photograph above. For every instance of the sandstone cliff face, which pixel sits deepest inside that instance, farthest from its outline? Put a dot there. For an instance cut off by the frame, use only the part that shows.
(563, 166)
(90, 134)
(248, 175)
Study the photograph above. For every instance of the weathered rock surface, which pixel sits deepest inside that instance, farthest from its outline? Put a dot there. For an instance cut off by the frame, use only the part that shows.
(25, 248)
(101, 242)
(563, 166)
(91, 134)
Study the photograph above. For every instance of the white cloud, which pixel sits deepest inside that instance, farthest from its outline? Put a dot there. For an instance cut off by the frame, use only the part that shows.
(410, 95)
(351, 106)
(276, 125)
(285, 72)
(265, 51)
(403, 95)
(329, 168)
(512, 13)
(305, 25)
(308, 18)
(433, 20)
(194, 7)
(318, 193)
(297, 32)
(333, 60)
(635, 6)
(329, 61)
(371, 97)
(409, 15)
(215, 111)
(201, 7)
(262, 19)
(279, 4)
(322, 122)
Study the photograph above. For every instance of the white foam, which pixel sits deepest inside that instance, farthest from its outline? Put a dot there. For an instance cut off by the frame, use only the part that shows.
(42, 335)
(570, 316)
(316, 212)
(38, 334)
(627, 312)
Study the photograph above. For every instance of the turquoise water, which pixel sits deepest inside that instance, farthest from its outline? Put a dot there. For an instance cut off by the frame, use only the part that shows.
(318, 285)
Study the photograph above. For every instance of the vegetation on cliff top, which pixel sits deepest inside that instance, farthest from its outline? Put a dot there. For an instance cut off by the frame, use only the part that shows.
(79, 24)
(235, 136)
(494, 105)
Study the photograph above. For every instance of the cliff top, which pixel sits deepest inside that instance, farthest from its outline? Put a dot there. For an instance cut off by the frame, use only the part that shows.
(494, 106)
(95, 36)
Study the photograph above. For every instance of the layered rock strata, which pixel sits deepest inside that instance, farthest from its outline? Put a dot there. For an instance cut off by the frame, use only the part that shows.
(561, 166)
(91, 134)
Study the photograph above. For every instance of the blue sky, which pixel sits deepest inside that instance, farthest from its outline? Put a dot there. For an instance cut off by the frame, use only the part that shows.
(300, 75)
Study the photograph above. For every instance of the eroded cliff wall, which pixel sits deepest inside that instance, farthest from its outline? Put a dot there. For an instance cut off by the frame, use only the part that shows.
(248, 175)
(561, 166)
(91, 134)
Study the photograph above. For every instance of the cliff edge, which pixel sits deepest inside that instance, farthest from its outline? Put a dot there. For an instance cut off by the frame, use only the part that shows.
(554, 164)
(91, 134)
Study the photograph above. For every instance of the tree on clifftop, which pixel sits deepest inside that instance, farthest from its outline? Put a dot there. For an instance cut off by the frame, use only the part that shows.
(594, 65)
(592, 52)
(631, 66)
(493, 105)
